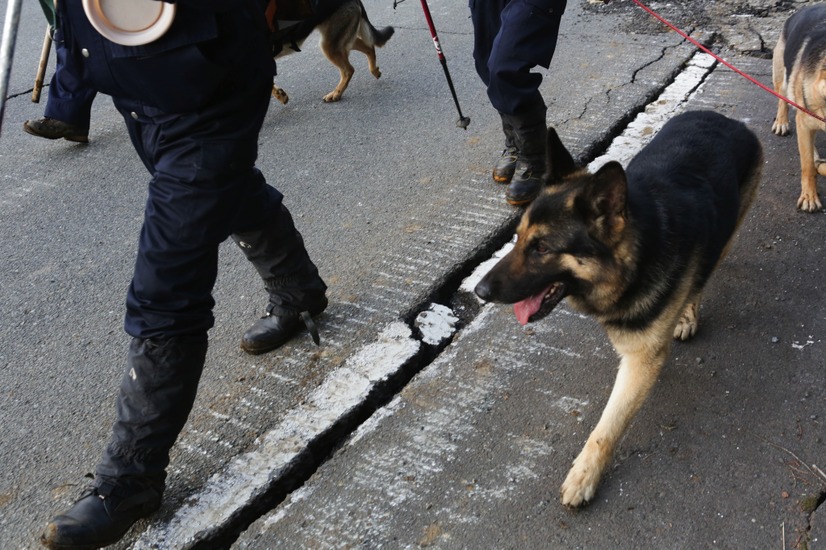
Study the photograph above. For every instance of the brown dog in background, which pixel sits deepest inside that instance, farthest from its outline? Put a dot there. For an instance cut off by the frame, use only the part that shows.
(344, 26)
(798, 73)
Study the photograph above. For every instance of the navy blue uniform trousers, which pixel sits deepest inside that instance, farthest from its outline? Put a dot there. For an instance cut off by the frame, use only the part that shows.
(70, 97)
(194, 102)
(511, 37)
(204, 188)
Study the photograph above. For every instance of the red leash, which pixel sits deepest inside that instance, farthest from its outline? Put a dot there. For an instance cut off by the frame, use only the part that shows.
(726, 63)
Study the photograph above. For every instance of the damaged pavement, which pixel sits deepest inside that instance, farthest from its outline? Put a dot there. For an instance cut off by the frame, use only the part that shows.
(414, 424)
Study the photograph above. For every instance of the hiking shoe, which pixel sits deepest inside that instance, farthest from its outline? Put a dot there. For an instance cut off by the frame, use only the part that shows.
(51, 128)
(525, 185)
(506, 165)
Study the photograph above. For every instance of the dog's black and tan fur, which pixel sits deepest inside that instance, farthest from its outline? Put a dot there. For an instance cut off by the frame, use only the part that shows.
(799, 73)
(343, 26)
(634, 248)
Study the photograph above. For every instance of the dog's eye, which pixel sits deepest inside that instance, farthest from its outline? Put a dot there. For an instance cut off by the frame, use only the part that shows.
(541, 249)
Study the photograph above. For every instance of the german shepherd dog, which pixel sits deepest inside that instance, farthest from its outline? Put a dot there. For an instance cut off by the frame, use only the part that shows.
(799, 72)
(344, 26)
(633, 248)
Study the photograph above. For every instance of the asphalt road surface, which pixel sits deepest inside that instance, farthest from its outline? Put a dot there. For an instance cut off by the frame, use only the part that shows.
(424, 418)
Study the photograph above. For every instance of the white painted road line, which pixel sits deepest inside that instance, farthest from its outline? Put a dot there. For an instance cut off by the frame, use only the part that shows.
(250, 474)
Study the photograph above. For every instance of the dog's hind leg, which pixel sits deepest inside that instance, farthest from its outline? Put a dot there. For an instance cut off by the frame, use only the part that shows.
(638, 371)
(781, 120)
(339, 58)
(820, 164)
(370, 52)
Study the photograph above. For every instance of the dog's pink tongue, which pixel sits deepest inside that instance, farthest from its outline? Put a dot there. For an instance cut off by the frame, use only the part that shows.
(527, 307)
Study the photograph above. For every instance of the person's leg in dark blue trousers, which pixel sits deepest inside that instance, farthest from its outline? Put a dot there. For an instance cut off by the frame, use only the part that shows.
(69, 101)
(204, 188)
(511, 38)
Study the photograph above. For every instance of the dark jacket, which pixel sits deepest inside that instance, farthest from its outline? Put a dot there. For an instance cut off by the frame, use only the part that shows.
(208, 48)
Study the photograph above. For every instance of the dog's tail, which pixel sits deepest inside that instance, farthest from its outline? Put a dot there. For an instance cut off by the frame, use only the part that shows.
(370, 34)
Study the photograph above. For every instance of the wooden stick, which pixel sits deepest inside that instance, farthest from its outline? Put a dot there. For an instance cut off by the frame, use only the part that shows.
(41, 69)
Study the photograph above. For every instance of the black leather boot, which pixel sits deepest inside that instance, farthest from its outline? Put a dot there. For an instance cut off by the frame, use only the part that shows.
(296, 291)
(506, 164)
(278, 326)
(530, 131)
(97, 520)
(156, 395)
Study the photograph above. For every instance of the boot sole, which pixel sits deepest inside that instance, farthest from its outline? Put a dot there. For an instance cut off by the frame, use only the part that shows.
(76, 138)
(52, 546)
(64, 547)
(269, 347)
(520, 202)
(44, 540)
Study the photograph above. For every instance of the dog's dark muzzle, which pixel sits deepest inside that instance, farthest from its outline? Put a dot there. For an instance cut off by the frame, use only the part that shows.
(484, 290)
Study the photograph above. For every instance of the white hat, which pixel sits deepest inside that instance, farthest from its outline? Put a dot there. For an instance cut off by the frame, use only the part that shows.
(130, 22)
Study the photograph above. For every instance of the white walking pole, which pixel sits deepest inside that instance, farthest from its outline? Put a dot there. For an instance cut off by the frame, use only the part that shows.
(10, 25)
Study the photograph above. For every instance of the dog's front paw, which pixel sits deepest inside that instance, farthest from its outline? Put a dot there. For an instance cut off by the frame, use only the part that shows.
(809, 202)
(581, 484)
(332, 97)
(687, 325)
(780, 128)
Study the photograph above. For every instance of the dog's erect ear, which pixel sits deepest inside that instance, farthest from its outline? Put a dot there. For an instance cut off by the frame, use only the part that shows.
(605, 199)
(560, 163)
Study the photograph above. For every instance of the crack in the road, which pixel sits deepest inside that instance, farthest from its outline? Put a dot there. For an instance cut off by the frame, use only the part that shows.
(24, 92)
(760, 38)
(809, 505)
(648, 64)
